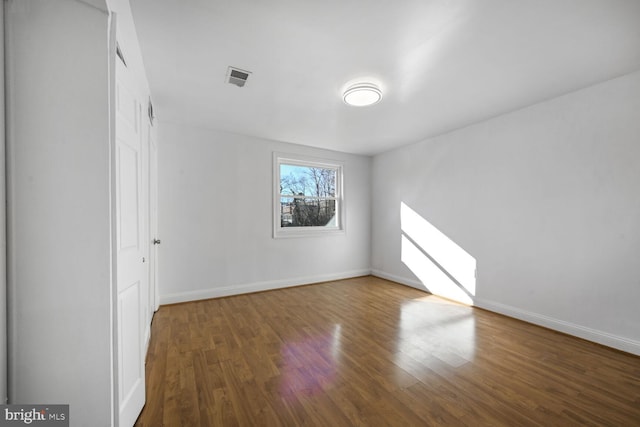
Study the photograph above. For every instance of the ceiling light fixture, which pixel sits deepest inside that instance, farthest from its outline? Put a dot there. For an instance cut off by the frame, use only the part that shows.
(362, 94)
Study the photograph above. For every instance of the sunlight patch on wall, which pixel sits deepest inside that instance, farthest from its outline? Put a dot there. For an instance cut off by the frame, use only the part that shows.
(442, 266)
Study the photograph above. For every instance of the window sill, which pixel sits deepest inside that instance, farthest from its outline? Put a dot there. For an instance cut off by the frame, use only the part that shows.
(286, 233)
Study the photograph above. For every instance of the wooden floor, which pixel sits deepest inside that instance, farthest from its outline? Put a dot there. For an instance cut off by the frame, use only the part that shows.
(368, 352)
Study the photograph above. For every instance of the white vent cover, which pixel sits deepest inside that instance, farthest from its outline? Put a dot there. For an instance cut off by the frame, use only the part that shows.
(237, 77)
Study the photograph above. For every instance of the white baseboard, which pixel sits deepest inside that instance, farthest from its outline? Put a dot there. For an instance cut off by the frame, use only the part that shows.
(589, 334)
(246, 288)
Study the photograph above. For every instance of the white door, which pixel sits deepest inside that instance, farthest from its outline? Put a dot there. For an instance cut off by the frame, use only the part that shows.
(153, 225)
(144, 232)
(130, 249)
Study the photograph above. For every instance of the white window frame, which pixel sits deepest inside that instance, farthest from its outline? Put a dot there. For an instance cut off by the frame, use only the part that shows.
(309, 231)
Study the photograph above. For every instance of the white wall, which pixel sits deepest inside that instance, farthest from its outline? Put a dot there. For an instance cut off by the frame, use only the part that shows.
(547, 200)
(215, 218)
(59, 242)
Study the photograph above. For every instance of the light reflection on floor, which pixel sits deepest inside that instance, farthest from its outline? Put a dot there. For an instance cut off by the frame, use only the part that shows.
(310, 378)
(432, 328)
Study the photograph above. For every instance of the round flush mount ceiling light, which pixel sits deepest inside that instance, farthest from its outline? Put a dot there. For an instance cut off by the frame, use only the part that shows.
(362, 94)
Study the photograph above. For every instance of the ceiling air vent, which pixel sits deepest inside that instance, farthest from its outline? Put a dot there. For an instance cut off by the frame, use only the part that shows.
(237, 77)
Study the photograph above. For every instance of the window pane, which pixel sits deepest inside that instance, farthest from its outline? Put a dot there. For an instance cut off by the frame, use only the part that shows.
(307, 212)
(307, 181)
(286, 212)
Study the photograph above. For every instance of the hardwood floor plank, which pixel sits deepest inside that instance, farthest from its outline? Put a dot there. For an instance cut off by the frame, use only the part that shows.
(369, 352)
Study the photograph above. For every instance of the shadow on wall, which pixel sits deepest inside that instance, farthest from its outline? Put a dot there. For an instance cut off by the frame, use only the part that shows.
(443, 267)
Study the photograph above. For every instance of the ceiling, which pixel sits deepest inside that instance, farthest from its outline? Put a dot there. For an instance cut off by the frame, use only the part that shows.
(441, 64)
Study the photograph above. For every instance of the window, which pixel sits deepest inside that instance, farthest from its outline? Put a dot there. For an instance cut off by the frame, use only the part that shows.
(307, 196)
